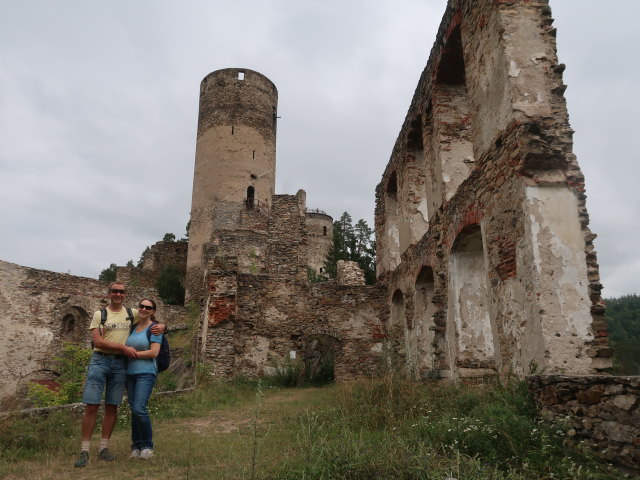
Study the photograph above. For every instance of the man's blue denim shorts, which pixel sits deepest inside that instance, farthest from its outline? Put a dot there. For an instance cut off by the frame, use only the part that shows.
(107, 374)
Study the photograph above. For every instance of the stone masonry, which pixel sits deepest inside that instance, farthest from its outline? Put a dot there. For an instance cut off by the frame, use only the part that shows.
(481, 224)
(601, 410)
(41, 311)
(260, 308)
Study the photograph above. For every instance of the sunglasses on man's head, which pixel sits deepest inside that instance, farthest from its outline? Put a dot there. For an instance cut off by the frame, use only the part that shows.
(118, 290)
(145, 307)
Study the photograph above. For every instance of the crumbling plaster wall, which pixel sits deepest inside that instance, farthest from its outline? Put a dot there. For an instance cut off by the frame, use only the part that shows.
(40, 310)
(523, 191)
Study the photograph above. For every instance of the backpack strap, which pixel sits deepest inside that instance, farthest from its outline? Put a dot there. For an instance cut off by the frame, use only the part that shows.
(149, 331)
(103, 320)
(131, 318)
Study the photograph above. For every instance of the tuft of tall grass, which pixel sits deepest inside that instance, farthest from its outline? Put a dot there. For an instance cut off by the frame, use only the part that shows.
(25, 437)
(394, 428)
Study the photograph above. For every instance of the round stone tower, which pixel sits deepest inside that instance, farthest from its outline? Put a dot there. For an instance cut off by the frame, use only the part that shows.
(319, 238)
(235, 152)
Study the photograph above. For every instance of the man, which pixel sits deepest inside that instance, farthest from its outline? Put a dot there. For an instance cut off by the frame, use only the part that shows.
(107, 371)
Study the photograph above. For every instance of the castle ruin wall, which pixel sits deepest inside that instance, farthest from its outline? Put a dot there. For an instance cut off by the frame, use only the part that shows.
(486, 147)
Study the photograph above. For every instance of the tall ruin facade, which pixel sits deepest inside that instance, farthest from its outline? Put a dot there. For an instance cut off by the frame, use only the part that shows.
(481, 224)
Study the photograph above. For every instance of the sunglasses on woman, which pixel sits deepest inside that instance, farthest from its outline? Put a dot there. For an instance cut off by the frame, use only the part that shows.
(145, 307)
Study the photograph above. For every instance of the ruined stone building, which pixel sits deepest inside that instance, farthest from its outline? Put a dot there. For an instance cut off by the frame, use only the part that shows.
(249, 250)
(481, 225)
(485, 261)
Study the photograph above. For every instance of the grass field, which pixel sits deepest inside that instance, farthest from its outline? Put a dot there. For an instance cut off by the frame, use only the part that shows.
(385, 428)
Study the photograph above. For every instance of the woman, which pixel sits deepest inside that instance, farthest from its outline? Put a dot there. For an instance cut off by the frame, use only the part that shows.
(141, 377)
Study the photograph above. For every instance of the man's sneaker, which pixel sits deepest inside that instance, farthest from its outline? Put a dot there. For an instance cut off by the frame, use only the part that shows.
(146, 453)
(135, 453)
(105, 455)
(83, 459)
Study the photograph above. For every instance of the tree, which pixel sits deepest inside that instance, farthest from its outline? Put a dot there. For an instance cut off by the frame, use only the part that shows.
(144, 254)
(108, 274)
(186, 235)
(170, 285)
(354, 244)
(169, 237)
(623, 318)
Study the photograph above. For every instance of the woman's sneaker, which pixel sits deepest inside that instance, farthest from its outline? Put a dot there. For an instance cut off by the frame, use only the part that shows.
(135, 453)
(146, 453)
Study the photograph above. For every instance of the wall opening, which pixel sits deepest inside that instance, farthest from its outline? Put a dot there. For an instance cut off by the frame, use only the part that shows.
(240, 75)
(319, 358)
(397, 308)
(74, 324)
(68, 324)
(424, 322)
(469, 302)
(324, 231)
(250, 200)
(416, 212)
(452, 118)
(392, 221)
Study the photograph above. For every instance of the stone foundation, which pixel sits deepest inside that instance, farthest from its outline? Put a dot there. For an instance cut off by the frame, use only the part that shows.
(601, 410)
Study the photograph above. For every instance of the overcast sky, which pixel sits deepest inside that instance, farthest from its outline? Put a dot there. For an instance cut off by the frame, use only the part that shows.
(99, 104)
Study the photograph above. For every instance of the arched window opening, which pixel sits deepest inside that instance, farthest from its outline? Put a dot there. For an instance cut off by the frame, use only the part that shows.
(423, 315)
(392, 221)
(74, 324)
(68, 324)
(250, 200)
(324, 231)
(416, 218)
(469, 301)
(452, 142)
(397, 308)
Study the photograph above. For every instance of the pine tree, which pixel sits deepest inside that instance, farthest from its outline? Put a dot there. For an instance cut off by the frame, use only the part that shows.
(354, 244)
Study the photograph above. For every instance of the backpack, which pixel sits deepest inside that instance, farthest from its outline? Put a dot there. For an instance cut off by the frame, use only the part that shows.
(103, 320)
(164, 356)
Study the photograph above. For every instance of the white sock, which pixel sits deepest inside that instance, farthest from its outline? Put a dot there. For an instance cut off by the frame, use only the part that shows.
(84, 446)
(104, 443)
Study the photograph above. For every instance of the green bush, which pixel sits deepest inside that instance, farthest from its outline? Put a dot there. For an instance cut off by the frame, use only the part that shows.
(72, 365)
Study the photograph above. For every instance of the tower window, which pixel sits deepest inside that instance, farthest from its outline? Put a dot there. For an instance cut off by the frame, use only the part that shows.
(249, 201)
(324, 231)
(240, 75)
